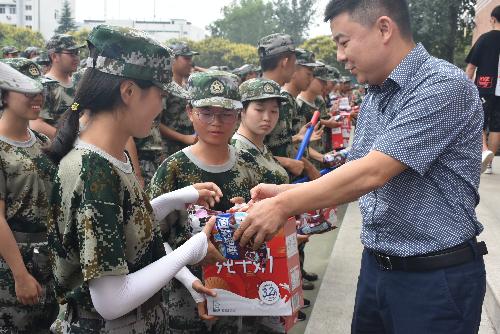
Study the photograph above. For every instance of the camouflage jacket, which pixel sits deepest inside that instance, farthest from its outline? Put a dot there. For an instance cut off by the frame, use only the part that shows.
(26, 176)
(279, 141)
(235, 178)
(175, 117)
(58, 99)
(264, 163)
(101, 223)
(152, 143)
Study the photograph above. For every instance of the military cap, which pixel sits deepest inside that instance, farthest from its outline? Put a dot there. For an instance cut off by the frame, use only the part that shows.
(131, 53)
(13, 80)
(182, 49)
(345, 79)
(27, 67)
(307, 58)
(214, 88)
(60, 42)
(275, 44)
(244, 70)
(9, 50)
(321, 73)
(42, 58)
(260, 89)
(333, 73)
(31, 49)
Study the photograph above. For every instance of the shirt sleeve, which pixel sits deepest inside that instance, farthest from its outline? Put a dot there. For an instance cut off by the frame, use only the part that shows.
(429, 122)
(99, 219)
(3, 183)
(474, 56)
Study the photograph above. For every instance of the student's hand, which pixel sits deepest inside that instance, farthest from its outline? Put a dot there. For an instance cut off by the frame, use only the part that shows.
(209, 193)
(213, 255)
(202, 311)
(302, 239)
(318, 132)
(27, 289)
(202, 306)
(295, 167)
(190, 139)
(311, 171)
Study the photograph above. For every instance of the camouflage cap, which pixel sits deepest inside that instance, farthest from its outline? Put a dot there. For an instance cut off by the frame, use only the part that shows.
(275, 44)
(333, 73)
(260, 89)
(244, 70)
(60, 42)
(13, 80)
(42, 58)
(9, 50)
(306, 58)
(182, 49)
(27, 67)
(214, 88)
(321, 73)
(31, 49)
(345, 79)
(131, 53)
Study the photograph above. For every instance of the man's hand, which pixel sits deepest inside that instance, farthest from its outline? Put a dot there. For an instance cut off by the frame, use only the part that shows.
(209, 194)
(263, 222)
(28, 290)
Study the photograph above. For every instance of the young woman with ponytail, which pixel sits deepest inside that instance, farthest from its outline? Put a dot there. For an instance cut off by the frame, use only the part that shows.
(109, 258)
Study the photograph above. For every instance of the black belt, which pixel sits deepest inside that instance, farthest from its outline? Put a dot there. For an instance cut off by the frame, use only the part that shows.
(30, 238)
(463, 253)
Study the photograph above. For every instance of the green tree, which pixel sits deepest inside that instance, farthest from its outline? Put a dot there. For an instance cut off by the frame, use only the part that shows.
(21, 38)
(325, 50)
(221, 52)
(245, 21)
(66, 22)
(81, 36)
(294, 17)
(443, 26)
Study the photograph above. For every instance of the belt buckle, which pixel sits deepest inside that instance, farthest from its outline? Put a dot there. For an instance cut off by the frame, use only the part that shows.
(384, 261)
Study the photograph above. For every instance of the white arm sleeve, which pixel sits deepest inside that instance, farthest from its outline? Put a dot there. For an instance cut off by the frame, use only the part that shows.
(175, 200)
(186, 278)
(115, 296)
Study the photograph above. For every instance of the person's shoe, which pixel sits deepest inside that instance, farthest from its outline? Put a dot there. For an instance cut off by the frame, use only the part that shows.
(302, 316)
(487, 158)
(311, 277)
(307, 285)
(307, 303)
(489, 169)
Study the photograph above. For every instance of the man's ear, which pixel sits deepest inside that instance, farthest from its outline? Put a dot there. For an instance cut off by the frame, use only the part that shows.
(386, 26)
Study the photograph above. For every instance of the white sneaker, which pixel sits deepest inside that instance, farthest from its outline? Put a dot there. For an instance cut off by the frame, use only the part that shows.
(489, 169)
(487, 158)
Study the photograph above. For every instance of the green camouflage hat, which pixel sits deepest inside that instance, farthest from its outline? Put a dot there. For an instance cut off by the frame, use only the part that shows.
(306, 58)
(10, 79)
(214, 88)
(42, 58)
(9, 50)
(182, 49)
(275, 44)
(345, 79)
(260, 89)
(321, 73)
(61, 42)
(131, 53)
(333, 73)
(244, 70)
(27, 67)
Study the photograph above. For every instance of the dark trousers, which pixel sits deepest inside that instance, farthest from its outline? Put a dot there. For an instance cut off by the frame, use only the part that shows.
(441, 301)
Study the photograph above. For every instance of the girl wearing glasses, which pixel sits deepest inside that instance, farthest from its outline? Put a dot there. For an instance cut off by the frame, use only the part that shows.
(27, 300)
(110, 262)
(213, 110)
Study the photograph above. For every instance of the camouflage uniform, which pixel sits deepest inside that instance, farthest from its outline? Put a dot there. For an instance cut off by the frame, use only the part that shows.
(175, 117)
(101, 221)
(26, 176)
(150, 151)
(10, 50)
(58, 96)
(235, 178)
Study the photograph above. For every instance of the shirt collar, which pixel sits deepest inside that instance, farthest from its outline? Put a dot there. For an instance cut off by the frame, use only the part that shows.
(403, 73)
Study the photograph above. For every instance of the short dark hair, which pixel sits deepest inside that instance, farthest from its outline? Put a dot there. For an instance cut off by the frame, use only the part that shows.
(367, 12)
(271, 62)
(496, 13)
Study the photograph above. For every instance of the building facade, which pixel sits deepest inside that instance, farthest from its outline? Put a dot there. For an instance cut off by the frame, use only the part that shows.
(483, 15)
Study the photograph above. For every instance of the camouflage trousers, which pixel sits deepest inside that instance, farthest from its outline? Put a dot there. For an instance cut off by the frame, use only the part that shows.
(17, 318)
(183, 316)
(153, 322)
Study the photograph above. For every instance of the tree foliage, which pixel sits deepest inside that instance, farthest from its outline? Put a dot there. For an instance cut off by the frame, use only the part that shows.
(325, 50)
(66, 21)
(81, 36)
(246, 21)
(443, 26)
(21, 38)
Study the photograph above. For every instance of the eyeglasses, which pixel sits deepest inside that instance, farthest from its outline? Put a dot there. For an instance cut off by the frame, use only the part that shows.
(208, 117)
(32, 96)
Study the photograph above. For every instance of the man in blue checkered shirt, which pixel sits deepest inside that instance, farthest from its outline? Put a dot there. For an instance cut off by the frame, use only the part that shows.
(414, 165)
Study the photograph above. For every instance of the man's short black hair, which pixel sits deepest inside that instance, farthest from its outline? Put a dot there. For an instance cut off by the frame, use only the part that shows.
(271, 62)
(367, 12)
(496, 13)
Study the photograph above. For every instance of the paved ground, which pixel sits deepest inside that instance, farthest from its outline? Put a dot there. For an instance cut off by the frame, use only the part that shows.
(335, 256)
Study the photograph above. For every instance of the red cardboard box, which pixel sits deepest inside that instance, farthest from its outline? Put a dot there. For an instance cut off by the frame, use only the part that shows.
(245, 288)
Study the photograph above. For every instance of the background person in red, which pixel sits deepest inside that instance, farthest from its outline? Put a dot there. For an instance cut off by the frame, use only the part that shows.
(484, 61)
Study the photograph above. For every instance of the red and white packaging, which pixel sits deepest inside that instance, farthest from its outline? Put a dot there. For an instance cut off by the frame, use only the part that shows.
(245, 288)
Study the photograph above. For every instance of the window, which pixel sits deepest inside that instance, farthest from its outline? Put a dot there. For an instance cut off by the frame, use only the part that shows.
(29, 27)
(28, 18)
(28, 7)
(2, 9)
(12, 9)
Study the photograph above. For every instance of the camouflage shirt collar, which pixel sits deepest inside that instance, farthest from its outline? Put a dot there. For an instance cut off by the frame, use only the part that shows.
(24, 144)
(249, 143)
(212, 168)
(125, 167)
